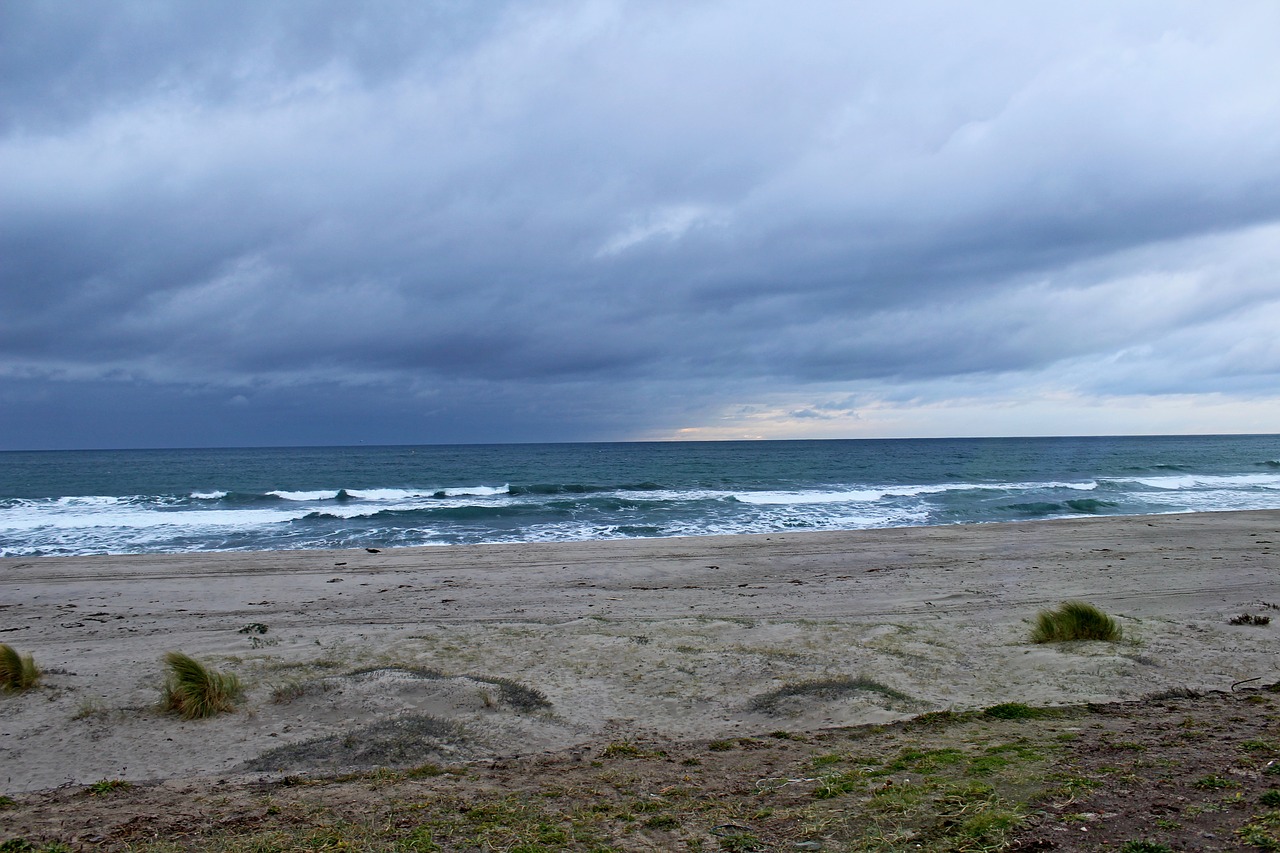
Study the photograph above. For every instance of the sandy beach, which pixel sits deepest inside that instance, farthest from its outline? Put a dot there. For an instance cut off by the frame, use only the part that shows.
(623, 639)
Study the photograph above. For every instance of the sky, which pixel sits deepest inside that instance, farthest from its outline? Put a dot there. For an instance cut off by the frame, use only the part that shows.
(287, 223)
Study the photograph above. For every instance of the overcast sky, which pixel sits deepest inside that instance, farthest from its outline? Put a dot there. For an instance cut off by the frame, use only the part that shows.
(245, 223)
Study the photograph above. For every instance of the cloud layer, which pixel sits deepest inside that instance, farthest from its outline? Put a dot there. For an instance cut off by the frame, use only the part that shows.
(272, 223)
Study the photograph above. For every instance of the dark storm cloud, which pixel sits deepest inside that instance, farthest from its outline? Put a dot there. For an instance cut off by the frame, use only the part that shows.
(605, 219)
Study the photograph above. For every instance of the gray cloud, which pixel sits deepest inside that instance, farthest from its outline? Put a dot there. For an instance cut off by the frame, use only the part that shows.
(608, 219)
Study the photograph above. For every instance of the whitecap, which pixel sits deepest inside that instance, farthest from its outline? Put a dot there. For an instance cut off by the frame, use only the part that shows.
(1210, 481)
(476, 491)
(769, 498)
(304, 496)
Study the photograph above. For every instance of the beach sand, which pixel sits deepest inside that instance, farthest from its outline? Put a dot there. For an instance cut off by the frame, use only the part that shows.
(626, 639)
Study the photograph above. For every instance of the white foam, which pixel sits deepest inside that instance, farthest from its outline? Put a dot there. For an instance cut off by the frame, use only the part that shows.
(34, 518)
(391, 495)
(89, 501)
(208, 496)
(791, 498)
(477, 491)
(1208, 481)
(305, 496)
(880, 493)
(385, 495)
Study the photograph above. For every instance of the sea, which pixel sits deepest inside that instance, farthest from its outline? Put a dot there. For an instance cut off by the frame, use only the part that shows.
(168, 501)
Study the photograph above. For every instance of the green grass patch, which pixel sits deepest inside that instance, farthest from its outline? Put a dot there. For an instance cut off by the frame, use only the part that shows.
(925, 760)
(1145, 847)
(1215, 783)
(628, 749)
(897, 787)
(1262, 831)
(835, 784)
(1019, 711)
(107, 786)
(17, 672)
(1075, 620)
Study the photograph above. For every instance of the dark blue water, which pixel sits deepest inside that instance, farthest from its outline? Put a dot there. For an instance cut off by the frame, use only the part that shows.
(287, 498)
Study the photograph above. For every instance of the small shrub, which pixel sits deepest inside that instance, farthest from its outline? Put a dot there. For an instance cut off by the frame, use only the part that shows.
(424, 771)
(1018, 711)
(627, 749)
(107, 786)
(1075, 620)
(622, 749)
(1249, 619)
(17, 672)
(17, 845)
(1271, 798)
(195, 692)
(90, 708)
(1213, 782)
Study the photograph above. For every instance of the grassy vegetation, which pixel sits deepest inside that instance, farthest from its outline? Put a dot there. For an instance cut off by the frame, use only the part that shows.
(941, 783)
(519, 697)
(956, 785)
(194, 691)
(107, 786)
(1075, 620)
(17, 672)
(514, 694)
(21, 845)
(1018, 711)
(822, 688)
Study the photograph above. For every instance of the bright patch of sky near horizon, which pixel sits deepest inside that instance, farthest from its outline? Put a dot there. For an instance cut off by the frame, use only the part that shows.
(415, 222)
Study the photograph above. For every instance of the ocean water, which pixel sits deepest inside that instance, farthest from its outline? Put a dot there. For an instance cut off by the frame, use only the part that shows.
(106, 502)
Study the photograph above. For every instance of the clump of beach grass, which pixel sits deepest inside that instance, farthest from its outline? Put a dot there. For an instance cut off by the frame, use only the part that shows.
(517, 695)
(1075, 620)
(1018, 711)
(17, 672)
(823, 688)
(194, 691)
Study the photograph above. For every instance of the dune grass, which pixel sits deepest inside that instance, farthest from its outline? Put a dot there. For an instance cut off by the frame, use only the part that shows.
(1075, 620)
(17, 672)
(822, 688)
(409, 740)
(194, 691)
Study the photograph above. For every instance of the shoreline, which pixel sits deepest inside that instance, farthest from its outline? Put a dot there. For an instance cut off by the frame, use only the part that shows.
(668, 637)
